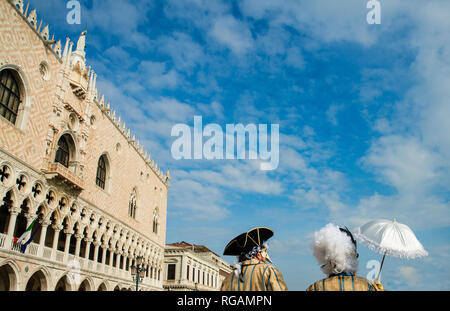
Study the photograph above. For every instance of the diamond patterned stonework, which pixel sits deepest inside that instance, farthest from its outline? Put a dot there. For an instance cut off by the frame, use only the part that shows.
(84, 229)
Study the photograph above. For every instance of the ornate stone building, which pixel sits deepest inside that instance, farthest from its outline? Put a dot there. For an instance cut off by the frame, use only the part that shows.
(67, 160)
(193, 267)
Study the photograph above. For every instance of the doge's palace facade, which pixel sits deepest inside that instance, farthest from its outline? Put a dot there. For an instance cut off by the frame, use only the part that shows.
(68, 161)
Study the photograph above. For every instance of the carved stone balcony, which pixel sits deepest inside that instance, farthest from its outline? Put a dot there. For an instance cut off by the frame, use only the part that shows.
(64, 175)
(78, 80)
(78, 90)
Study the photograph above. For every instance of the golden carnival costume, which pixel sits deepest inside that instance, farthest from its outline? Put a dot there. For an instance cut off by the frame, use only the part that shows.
(335, 250)
(252, 272)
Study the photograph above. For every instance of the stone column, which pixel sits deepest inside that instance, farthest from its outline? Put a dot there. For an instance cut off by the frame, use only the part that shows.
(96, 244)
(67, 243)
(13, 212)
(57, 229)
(44, 226)
(88, 248)
(111, 256)
(118, 256)
(183, 268)
(77, 246)
(104, 247)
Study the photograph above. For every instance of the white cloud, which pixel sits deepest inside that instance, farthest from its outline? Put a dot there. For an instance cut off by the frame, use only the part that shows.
(119, 18)
(403, 163)
(289, 246)
(156, 75)
(332, 112)
(184, 51)
(409, 274)
(170, 109)
(232, 33)
(324, 20)
(214, 109)
(196, 201)
(242, 177)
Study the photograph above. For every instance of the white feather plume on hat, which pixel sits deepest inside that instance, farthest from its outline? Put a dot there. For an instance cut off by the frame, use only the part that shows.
(334, 251)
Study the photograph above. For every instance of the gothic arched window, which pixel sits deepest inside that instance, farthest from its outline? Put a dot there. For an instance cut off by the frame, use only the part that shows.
(101, 172)
(155, 222)
(9, 96)
(132, 205)
(62, 154)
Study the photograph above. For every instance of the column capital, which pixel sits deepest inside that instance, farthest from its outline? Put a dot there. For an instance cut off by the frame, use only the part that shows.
(68, 232)
(14, 210)
(46, 223)
(88, 240)
(79, 236)
(29, 216)
(57, 227)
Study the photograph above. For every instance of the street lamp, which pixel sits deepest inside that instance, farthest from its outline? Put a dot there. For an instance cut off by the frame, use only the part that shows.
(138, 271)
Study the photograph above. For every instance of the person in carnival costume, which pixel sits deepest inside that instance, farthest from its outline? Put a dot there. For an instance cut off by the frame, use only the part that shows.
(254, 271)
(335, 250)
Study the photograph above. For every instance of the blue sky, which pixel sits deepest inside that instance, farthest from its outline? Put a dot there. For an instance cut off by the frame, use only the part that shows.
(363, 112)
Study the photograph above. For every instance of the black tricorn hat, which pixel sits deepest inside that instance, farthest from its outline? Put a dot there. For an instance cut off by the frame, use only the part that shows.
(247, 240)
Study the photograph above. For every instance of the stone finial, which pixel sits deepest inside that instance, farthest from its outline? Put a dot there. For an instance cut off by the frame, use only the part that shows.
(80, 55)
(81, 42)
(18, 4)
(91, 79)
(26, 9)
(167, 178)
(95, 81)
(32, 18)
(66, 48)
(58, 48)
(68, 54)
(39, 28)
(45, 33)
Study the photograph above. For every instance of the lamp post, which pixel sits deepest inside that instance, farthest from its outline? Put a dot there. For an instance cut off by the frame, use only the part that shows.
(138, 271)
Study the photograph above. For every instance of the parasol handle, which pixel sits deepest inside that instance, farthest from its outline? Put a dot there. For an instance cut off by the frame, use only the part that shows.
(381, 267)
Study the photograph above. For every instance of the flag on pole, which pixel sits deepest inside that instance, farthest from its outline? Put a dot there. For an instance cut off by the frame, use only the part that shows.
(24, 246)
(26, 234)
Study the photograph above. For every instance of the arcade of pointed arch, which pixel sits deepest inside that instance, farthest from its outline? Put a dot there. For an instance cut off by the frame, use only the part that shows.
(74, 217)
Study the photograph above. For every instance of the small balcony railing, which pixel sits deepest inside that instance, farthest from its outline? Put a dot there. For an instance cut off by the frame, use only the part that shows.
(61, 172)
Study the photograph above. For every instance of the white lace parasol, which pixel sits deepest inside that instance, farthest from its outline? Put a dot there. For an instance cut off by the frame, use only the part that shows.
(390, 238)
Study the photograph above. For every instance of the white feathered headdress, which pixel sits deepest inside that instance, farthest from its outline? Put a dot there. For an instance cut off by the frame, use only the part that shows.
(335, 251)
